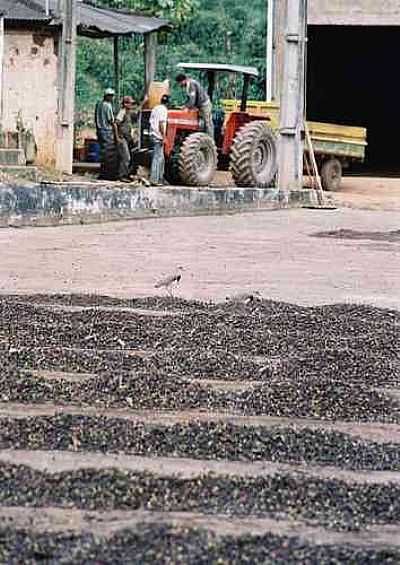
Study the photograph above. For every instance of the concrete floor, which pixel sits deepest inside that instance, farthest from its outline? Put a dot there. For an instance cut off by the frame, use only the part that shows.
(272, 252)
(370, 193)
(276, 253)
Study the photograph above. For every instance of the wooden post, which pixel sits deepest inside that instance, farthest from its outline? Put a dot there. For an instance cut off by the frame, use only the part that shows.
(292, 114)
(67, 87)
(211, 84)
(245, 93)
(117, 71)
(150, 58)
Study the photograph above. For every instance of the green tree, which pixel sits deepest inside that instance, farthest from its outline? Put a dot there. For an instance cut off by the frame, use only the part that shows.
(175, 10)
(204, 30)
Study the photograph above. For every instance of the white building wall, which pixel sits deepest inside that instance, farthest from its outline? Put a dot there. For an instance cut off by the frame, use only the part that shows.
(354, 12)
(30, 76)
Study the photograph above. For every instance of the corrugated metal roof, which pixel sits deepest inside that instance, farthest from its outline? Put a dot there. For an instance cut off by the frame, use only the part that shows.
(92, 21)
(100, 22)
(23, 10)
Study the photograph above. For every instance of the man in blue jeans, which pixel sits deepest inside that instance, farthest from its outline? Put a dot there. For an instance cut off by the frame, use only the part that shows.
(158, 134)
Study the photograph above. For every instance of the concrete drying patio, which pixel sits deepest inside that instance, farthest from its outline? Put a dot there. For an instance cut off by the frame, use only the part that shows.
(277, 253)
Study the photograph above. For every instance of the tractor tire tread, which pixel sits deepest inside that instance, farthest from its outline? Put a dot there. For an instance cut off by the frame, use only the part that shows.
(187, 159)
(331, 182)
(241, 153)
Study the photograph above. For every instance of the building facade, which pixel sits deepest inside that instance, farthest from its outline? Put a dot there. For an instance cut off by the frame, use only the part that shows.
(37, 66)
(352, 47)
(30, 86)
(351, 76)
(354, 12)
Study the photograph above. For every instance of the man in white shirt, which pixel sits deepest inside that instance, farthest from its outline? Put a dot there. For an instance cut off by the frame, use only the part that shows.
(158, 133)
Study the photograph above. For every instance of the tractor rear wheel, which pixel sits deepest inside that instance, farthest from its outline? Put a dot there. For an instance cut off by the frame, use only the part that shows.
(254, 156)
(197, 160)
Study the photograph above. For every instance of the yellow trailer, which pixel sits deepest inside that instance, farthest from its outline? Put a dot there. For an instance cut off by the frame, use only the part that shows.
(335, 146)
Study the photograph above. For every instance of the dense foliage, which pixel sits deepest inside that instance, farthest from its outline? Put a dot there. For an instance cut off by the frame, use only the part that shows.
(204, 30)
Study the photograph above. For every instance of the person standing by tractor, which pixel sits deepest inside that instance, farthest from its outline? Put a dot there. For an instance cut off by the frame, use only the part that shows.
(123, 123)
(158, 134)
(198, 98)
(105, 126)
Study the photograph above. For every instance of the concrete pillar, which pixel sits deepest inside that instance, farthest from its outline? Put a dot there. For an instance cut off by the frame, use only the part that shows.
(65, 141)
(292, 112)
(1, 63)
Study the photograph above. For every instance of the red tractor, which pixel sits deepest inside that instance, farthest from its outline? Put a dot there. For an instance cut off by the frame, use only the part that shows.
(242, 142)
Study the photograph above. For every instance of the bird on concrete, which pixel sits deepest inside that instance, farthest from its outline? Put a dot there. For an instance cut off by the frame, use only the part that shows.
(170, 281)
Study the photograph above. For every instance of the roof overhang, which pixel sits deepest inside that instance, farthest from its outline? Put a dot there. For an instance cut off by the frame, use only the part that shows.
(24, 12)
(220, 68)
(91, 21)
(100, 22)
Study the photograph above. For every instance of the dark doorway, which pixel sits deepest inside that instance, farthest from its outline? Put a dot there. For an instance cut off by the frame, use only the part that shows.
(353, 79)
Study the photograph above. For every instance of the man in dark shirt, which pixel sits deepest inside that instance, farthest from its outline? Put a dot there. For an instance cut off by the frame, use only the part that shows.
(198, 98)
(123, 123)
(104, 119)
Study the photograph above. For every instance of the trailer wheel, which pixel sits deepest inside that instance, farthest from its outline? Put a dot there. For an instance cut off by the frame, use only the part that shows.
(254, 156)
(331, 174)
(197, 160)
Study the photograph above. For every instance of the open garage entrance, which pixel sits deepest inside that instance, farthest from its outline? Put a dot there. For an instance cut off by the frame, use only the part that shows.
(353, 80)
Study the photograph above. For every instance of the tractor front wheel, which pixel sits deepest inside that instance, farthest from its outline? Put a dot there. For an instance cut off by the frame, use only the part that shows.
(197, 160)
(171, 174)
(254, 156)
(110, 165)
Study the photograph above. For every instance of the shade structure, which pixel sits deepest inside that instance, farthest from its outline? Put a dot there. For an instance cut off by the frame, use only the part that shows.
(91, 21)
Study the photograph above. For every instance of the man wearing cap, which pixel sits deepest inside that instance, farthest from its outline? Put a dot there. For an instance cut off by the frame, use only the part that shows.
(158, 134)
(123, 123)
(104, 119)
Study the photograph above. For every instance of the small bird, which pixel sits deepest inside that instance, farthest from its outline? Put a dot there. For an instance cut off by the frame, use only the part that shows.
(170, 281)
(75, 443)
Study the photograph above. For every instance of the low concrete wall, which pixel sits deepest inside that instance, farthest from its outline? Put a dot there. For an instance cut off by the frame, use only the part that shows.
(69, 203)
